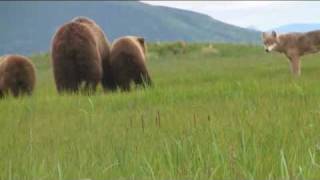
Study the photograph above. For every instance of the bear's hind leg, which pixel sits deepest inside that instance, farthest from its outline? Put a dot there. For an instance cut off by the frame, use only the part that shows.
(91, 87)
(67, 86)
(125, 86)
(143, 80)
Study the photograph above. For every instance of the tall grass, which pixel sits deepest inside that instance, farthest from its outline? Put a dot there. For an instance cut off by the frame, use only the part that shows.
(216, 111)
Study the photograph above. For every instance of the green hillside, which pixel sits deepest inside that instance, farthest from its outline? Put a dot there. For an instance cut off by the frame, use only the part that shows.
(27, 26)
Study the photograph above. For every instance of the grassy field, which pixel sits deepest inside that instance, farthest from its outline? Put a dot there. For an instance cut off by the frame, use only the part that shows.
(216, 112)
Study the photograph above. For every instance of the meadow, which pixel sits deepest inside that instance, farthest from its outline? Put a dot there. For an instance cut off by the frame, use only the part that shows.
(216, 111)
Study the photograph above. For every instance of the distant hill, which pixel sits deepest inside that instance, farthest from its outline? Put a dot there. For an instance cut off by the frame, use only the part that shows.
(299, 27)
(253, 28)
(27, 27)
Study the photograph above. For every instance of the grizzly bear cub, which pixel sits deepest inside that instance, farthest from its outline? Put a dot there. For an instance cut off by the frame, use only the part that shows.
(128, 62)
(17, 75)
(79, 49)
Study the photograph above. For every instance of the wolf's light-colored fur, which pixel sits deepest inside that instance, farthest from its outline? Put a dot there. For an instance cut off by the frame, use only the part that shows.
(293, 45)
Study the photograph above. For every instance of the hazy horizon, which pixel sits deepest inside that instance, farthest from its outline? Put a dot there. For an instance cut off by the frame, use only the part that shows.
(261, 15)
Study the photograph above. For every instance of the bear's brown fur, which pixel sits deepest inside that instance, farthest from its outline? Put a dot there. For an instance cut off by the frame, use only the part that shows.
(128, 62)
(104, 49)
(78, 49)
(17, 75)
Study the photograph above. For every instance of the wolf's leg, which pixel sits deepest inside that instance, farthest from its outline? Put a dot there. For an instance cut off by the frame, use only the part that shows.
(295, 66)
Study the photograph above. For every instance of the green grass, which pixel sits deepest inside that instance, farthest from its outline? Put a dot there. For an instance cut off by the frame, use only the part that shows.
(226, 112)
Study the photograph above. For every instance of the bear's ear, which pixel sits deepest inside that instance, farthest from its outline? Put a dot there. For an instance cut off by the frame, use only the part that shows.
(141, 40)
(142, 43)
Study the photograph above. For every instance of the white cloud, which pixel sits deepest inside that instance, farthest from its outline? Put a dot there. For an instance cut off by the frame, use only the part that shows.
(260, 14)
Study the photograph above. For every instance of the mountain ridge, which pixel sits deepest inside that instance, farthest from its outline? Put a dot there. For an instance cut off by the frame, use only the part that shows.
(27, 27)
(297, 27)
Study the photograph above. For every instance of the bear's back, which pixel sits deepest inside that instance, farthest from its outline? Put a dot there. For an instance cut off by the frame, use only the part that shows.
(127, 45)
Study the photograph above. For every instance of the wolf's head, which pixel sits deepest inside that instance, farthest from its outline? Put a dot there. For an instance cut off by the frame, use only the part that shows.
(270, 41)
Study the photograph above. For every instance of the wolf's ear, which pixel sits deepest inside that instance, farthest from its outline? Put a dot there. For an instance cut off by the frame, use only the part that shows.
(274, 34)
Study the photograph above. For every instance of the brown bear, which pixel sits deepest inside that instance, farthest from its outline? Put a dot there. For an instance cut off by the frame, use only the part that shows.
(17, 75)
(104, 49)
(79, 49)
(128, 58)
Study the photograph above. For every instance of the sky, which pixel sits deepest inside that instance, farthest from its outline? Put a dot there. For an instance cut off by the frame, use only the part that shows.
(262, 15)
